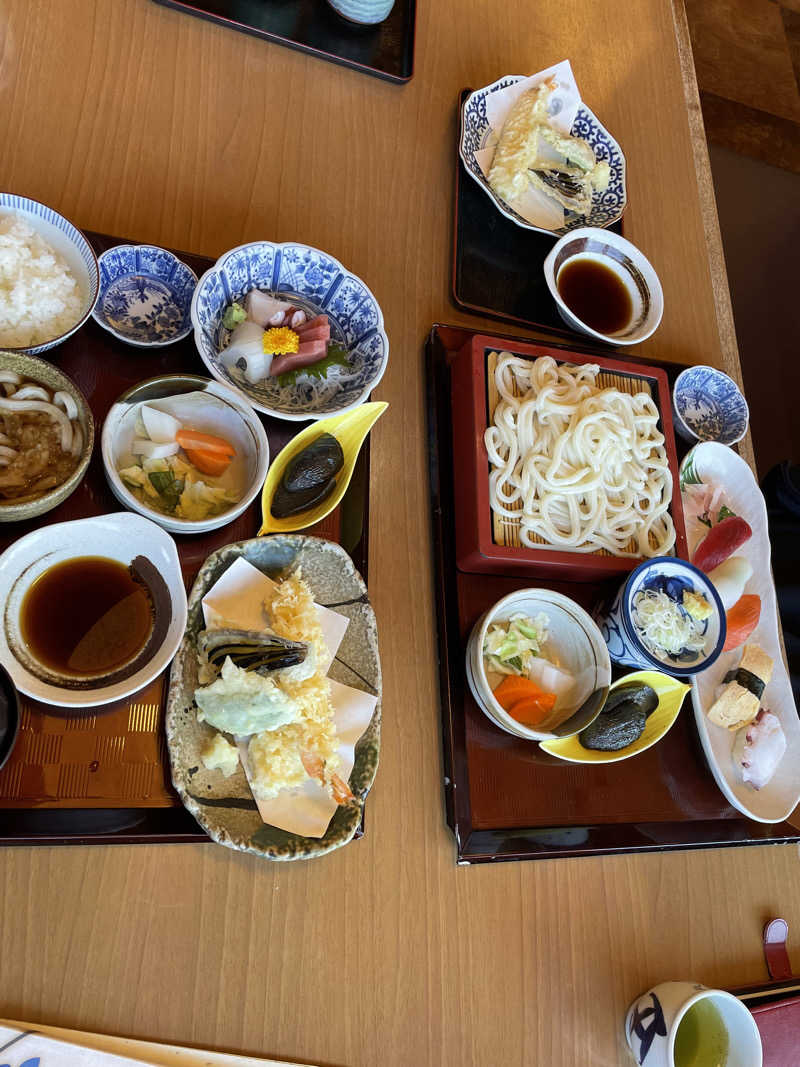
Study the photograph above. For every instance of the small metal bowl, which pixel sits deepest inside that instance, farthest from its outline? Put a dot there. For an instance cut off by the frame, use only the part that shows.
(145, 295)
(39, 370)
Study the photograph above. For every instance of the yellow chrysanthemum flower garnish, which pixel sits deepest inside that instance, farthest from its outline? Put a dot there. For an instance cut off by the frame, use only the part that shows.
(280, 341)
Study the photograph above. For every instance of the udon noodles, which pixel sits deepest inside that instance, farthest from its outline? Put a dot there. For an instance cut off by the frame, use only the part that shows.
(587, 465)
(41, 439)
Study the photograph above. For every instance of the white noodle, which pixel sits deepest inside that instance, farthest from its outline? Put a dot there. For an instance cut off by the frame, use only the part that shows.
(588, 465)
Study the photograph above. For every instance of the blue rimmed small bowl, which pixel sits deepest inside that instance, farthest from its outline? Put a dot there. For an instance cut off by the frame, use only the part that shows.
(71, 245)
(317, 283)
(671, 576)
(145, 295)
(476, 133)
(708, 406)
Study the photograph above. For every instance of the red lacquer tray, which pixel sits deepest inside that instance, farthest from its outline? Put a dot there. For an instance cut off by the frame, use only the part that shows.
(477, 549)
(505, 798)
(103, 776)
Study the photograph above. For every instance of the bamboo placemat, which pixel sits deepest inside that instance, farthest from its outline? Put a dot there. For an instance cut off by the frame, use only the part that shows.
(506, 530)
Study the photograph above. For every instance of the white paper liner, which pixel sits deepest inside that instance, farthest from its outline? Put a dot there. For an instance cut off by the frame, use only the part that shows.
(533, 205)
(236, 601)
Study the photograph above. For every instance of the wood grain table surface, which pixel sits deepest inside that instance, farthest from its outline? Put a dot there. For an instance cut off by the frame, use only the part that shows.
(135, 120)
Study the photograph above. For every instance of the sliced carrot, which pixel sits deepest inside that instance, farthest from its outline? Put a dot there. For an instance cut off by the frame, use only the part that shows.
(208, 462)
(514, 687)
(742, 619)
(533, 710)
(547, 700)
(196, 441)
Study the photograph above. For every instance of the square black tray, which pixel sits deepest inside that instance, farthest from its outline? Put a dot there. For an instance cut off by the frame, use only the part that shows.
(385, 51)
(497, 265)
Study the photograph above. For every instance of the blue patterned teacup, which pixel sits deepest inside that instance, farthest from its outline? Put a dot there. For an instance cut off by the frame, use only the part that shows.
(694, 1020)
(671, 576)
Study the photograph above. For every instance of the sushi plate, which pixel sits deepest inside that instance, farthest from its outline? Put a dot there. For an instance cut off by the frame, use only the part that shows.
(717, 465)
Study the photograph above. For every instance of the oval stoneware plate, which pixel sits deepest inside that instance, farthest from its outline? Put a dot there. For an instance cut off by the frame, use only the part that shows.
(716, 465)
(224, 807)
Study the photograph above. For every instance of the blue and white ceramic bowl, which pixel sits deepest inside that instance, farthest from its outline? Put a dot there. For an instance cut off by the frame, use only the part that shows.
(317, 283)
(70, 243)
(476, 133)
(145, 295)
(708, 406)
(363, 12)
(624, 638)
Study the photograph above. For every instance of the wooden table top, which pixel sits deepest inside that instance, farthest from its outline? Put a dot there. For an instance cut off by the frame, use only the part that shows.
(136, 120)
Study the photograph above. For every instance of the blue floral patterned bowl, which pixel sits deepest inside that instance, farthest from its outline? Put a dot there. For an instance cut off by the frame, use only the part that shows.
(663, 574)
(708, 406)
(476, 133)
(145, 295)
(317, 283)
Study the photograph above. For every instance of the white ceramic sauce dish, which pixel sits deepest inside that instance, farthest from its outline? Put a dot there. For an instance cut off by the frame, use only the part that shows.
(127, 539)
(630, 266)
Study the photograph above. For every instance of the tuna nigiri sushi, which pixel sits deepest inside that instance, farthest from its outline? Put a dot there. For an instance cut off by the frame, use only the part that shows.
(759, 748)
(720, 542)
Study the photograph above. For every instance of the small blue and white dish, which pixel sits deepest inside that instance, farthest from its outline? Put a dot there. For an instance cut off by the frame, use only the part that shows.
(145, 295)
(476, 133)
(708, 406)
(318, 284)
(673, 577)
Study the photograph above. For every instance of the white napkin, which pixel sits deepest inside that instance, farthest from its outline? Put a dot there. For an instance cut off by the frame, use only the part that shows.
(236, 601)
(50, 1046)
(533, 205)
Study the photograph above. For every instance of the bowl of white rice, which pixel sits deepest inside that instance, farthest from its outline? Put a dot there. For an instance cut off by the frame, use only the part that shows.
(48, 276)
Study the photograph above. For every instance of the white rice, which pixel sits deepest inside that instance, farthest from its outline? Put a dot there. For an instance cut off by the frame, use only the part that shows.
(39, 297)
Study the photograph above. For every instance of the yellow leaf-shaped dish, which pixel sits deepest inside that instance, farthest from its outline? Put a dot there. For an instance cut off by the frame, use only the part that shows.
(350, 430)
(670, 697)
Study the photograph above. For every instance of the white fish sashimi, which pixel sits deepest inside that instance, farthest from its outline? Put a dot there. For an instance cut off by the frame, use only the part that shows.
(245, 352)
(730, 578)
(262, 308)
(552, 679)
(759, 748)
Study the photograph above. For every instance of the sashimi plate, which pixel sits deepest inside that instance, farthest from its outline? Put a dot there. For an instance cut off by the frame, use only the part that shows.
(316, 283)
(717, 465)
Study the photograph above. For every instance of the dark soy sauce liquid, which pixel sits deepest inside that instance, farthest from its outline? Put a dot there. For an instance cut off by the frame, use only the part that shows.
(595, 294)
(86, 616)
